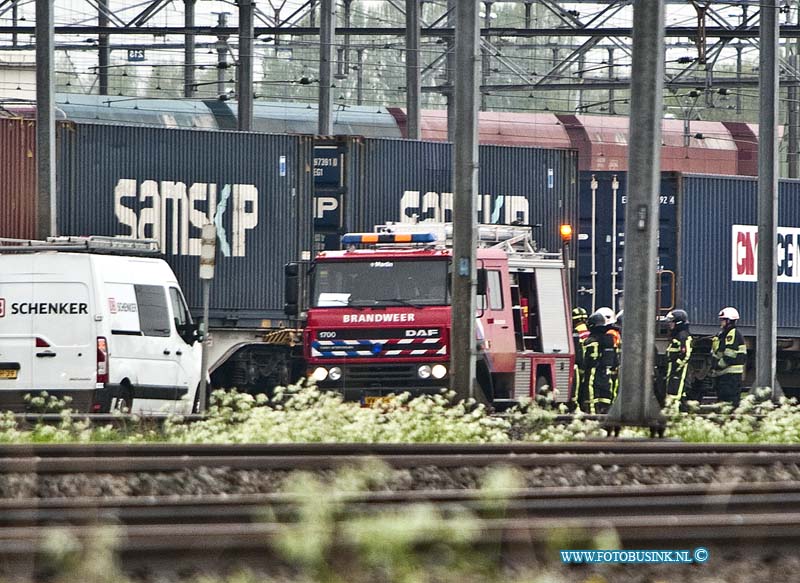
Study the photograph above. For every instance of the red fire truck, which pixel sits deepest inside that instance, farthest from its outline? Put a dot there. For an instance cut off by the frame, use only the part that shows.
(378, 315)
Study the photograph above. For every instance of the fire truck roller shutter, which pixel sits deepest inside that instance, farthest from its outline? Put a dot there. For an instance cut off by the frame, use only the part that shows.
(552, 310)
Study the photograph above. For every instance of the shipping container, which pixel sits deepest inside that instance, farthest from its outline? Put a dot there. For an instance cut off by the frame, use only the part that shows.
(17, 178)
(166, 183)
(601, 239)
(706, 247)
(364, 182)
(718, 261)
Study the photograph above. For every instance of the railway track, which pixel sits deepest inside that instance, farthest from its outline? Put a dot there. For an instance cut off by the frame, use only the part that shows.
(154, 535)
(558, 503)
(160, 536)
(111, 458)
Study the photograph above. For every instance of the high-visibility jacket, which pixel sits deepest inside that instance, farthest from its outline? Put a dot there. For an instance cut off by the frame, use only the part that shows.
(598, 360)
(729, 353)
(616, 336)
(679, 351)
(612, 349)
(580, 332)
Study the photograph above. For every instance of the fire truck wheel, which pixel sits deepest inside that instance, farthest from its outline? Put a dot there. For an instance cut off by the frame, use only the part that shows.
(484, 379)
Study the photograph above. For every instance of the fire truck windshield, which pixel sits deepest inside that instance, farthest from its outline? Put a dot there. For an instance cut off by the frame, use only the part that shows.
(381, 283)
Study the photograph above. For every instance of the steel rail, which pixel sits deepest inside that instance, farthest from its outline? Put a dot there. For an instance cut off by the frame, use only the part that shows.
(540, 503)
(313, 461)
(173, 543)
(413, 496)
(245, 450)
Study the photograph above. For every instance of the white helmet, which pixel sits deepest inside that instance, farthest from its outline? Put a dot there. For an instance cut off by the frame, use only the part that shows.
(608, 314)
(729, 314)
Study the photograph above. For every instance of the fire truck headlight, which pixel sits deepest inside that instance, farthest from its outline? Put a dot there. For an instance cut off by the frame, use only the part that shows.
(439, 371)
(424, 371)
(319, 374)
(335, 373)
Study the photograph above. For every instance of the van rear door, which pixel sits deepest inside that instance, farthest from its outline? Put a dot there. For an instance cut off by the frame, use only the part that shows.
(16, 336)
(65, 352)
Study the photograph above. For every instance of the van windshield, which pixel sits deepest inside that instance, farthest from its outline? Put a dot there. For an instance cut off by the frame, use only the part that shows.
(381, 283)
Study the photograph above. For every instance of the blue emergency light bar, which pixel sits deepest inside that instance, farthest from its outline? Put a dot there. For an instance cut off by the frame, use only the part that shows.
(371, 238)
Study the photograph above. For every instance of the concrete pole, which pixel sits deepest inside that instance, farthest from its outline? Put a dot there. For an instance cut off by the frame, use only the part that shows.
(794, 107)
(346, 4)
(244, 80)
(450, 72)
(327, 25)
(636, 403)
(277, 12)
(792, 93)
(413, 92)
(767, 285)
(222, 52)
(103, 51)
(465, 181)
(189, 87)
(45, 122)
(486, 57)
(738, 78)
(14, 21)
(360, 77)
(612, 107)
(581, 68)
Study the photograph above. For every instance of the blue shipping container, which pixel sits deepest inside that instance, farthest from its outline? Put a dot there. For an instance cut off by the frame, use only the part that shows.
(384, 180)
(718, 262)
(603, 195)
(166, 183)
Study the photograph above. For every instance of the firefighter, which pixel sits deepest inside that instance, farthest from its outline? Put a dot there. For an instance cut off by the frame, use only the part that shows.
(679, 351)
(580, 332)
(728, 354)
(615, 334)
(598, 355)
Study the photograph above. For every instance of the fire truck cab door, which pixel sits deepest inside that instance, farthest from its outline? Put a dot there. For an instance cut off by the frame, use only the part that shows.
(496, 319)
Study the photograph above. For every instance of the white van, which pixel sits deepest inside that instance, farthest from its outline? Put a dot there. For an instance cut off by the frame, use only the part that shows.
(78, 318)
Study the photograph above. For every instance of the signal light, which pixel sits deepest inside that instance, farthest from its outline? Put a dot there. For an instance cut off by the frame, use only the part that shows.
(566, 233)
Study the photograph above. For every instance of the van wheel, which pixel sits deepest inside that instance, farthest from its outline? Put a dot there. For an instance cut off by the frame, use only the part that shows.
(124, 402)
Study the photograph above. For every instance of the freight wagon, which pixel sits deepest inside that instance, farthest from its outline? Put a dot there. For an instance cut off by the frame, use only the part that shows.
(695, 146)
(274, 198)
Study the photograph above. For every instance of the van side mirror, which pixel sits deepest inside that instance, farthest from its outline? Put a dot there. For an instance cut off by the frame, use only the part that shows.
(291, 295)
(189, 332)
